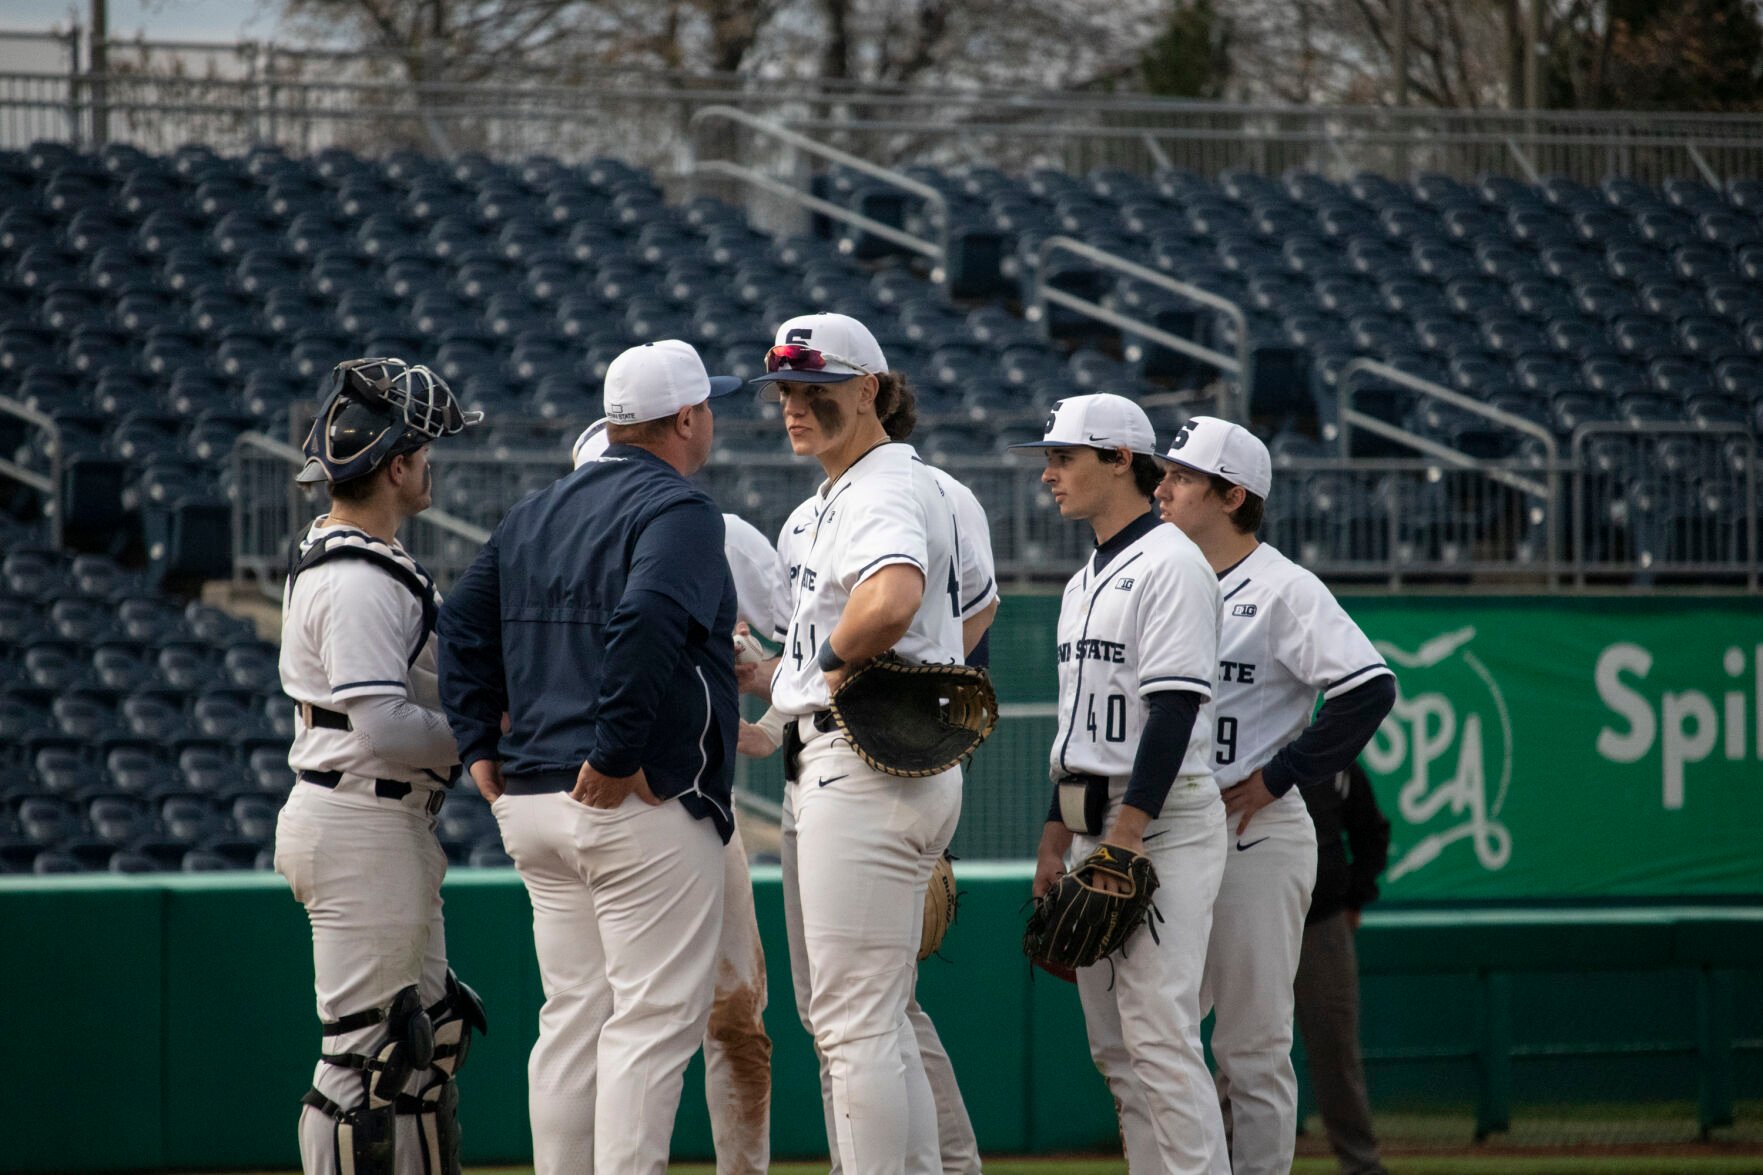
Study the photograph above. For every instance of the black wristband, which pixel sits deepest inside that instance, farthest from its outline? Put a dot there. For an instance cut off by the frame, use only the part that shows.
(827, 659)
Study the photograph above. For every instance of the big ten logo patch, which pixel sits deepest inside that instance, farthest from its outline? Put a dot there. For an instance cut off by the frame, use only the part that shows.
(1448, 741)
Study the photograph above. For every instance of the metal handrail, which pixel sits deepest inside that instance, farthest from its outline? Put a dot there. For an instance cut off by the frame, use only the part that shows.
(938, 250)
(815, 203)
(50, 486)
(1548, 492)
(1239, 366)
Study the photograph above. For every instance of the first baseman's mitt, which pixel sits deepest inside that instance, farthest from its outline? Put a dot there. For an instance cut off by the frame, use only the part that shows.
(941, 904)
(915, 720)
(1075, 924)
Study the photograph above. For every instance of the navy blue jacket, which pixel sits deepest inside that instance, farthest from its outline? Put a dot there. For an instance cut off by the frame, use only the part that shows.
(599, 617)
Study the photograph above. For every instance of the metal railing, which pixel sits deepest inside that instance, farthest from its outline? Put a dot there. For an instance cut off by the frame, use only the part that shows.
(231, 96)
(937, 250)
(1045, 293)
(1545, 494)
(49, 484)
(1387, 522)
(269, 509)
(1664, 499)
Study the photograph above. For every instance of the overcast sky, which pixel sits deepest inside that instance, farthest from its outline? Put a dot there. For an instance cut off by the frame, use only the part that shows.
(157, 20)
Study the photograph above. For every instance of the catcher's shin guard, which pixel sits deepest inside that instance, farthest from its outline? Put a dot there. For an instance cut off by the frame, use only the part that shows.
(390, 1044)
(436, 1104)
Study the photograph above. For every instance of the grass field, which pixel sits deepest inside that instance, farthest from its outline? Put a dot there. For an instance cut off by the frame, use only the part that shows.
(1677, 1161)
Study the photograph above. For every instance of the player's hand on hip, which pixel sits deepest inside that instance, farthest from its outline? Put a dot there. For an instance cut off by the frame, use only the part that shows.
(1245, 798)
(487, 774)
(609, 791)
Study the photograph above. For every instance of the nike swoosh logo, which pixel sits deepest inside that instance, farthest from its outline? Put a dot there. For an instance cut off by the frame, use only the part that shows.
(831, 779)
(1153, 835)
(1223, 472)
(1241, 846)
(800, 529)
(1098, 439)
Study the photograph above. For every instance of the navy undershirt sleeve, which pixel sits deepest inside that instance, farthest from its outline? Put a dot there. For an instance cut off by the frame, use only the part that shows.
(1169, 724)
(1342, 727)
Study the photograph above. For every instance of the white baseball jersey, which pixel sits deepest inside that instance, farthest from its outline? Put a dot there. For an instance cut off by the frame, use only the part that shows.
(758, 575)
(1146, 622)
(348, 628)
(976, 572)
(887, 508)
(1283, 640)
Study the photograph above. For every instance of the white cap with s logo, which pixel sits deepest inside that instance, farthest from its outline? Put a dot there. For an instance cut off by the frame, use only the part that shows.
(1211, 445)
(1099, 421)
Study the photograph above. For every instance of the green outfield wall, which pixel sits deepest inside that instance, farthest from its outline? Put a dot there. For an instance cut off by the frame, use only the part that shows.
(168, 1022)
(1541, 747)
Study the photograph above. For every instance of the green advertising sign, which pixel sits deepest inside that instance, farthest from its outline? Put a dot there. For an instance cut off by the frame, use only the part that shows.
(1567, 748)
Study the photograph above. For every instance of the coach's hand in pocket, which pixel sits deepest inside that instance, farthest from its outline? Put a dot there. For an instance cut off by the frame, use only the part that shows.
(609, 791)
(487, 774)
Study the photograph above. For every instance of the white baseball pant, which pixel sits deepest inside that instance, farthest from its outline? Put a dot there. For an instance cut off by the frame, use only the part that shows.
(1142, 1005)
(858, 849)
(627, 910)
(368, 870)
(1251, 961)
(737, 1051)
(957, 1146)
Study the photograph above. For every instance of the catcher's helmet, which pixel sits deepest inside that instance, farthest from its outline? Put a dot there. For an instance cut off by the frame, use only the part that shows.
(373, 410)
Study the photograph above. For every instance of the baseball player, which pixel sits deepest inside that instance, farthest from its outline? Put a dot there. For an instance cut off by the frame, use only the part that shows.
(737, 1051)
(590, 612)
(879, 572)
(372, 757)
(1283, 640)
(1326, 989)
(978, 589)
(1131, 763)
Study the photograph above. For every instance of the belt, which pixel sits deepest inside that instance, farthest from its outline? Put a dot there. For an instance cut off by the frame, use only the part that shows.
(821, 720)
(539, 783)
(313, 715)
(385, 789)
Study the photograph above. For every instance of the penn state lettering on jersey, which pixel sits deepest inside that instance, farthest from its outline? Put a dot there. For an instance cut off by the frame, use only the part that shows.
(1093, 649)
(1146, 622)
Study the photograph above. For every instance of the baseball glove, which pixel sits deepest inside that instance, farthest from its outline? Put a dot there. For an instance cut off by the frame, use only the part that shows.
(915, 720)
(941, 904)
(1075, 924)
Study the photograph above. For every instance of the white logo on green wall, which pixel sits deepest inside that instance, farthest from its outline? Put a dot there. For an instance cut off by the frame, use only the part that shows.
(1686, 725)
(1449, 726)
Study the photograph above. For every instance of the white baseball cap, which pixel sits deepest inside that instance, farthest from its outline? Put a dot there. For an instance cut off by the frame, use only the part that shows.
(1100, 421)
(591, 445)
(1228, 450)
(657, 380)
(822, 349)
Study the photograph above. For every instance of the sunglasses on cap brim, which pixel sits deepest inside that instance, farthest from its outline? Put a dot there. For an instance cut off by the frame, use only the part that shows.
(798, 357)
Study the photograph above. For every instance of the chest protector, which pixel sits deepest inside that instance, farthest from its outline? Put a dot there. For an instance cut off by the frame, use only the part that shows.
(394, 561)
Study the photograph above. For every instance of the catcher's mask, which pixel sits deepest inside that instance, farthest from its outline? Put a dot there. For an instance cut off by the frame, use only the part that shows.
(373, 410)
